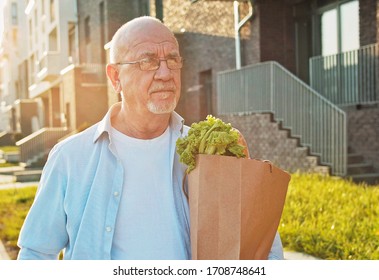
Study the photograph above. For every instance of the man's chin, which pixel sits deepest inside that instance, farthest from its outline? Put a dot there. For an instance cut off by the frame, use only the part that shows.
(164, 108)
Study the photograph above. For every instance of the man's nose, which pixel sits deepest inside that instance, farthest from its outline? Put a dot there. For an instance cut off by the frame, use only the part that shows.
(163, 72)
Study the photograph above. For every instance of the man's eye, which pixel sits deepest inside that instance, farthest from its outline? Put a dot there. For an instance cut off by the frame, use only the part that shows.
(147, 60)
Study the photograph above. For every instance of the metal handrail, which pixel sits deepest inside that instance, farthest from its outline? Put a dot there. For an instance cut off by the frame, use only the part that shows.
(347, 78)
(39, 143)
(269, 87)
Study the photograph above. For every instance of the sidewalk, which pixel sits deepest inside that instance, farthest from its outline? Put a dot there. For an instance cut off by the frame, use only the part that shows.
(290, 255)
(16, 185)
(287, 255)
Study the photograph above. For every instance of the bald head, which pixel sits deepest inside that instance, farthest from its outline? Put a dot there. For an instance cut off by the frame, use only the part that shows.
(137, 31)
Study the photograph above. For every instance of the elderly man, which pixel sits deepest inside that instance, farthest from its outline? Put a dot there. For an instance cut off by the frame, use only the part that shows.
(114, 190)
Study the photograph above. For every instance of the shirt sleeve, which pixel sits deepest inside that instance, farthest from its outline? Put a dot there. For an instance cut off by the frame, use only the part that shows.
(276, 252)
(29, 254)
(43, 234)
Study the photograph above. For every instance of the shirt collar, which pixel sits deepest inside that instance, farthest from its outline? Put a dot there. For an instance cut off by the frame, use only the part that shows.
(176, 122)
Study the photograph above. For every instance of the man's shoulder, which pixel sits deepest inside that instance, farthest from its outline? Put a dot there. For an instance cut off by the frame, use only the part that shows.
(80, 140)
(186, 128)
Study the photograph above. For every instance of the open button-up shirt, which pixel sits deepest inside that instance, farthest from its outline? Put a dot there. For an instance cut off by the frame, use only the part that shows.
(79, 195)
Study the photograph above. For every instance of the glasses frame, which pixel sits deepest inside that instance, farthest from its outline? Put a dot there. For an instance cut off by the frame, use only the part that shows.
(159, 60)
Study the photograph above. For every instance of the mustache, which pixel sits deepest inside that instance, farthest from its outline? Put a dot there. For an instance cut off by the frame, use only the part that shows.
(162, 87)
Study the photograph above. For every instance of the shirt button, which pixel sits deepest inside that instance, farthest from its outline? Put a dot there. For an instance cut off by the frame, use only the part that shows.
(116, 194)
(108, 229)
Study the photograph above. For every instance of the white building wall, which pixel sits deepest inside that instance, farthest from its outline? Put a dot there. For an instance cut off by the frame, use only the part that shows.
(48, 24)
(13, 52)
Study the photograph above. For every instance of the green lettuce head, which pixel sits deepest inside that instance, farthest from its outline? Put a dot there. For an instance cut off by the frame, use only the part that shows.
(211, 136)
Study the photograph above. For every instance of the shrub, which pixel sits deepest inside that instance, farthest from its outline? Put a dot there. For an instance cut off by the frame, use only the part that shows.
(327, 217)
(331, 218)
(14, 205)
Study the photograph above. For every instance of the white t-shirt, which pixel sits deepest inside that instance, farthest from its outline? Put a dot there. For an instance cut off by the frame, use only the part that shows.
(147, 225)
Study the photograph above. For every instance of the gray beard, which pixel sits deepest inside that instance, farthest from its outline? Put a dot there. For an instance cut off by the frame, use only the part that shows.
(161, 109)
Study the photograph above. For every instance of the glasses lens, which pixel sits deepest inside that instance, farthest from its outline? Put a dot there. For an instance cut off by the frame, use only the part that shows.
(175, 63)
(149, 64)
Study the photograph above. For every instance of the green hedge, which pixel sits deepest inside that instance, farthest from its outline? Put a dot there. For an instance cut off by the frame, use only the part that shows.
(331, 218)
(14, 205)
(324, 216)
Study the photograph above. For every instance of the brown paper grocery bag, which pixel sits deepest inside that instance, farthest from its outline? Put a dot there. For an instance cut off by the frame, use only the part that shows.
(235, 207)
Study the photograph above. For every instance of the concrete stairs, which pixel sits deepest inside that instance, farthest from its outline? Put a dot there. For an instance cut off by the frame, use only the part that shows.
(18, 173)
(359, 170)
(268, 139)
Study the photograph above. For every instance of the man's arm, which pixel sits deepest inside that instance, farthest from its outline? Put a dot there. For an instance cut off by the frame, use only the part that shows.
(44, 234)
(28, 254)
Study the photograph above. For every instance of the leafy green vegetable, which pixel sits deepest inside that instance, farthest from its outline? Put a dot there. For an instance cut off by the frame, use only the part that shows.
(211, 136)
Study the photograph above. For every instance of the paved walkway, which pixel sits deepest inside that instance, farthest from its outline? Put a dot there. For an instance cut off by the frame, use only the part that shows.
(289, 255)
(16, 185)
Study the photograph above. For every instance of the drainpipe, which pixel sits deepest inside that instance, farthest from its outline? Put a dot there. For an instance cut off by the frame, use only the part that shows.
(237, 27)
(159, 9)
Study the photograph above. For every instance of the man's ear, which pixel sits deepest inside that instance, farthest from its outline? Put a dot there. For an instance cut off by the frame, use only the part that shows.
(113, 75)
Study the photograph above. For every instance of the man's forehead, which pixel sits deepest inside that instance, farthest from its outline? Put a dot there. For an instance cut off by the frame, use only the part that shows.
(153, 48)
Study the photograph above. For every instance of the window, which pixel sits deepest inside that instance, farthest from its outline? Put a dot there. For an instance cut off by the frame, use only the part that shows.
(53, 40)
(30, 32)
(36, 25)
(87, 36)
(52, 10)
(350, 26)
(14, 13)
(340, 28)
(71, 42)
(87, 30)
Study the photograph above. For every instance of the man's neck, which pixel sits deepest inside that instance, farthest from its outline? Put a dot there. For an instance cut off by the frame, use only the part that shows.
(148, 126)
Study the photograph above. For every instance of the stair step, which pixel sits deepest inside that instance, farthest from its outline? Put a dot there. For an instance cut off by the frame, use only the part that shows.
(360, 168)
(355, 158)
(369, 178)
(11, 169)
(28, 175)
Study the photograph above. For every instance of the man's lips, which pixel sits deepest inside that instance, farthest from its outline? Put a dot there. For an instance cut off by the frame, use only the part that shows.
(162, 89)
(163, 94)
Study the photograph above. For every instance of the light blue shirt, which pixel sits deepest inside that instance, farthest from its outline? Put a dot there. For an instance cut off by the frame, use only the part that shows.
(78, 197)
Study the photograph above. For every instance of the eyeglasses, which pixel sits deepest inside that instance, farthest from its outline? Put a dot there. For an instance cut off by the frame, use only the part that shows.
(152, 64)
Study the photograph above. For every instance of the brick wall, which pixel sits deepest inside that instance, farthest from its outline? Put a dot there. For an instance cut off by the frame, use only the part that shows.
(367, 22)
(267, 141)
(277, 40)
(202, 53)
(363, 133)
(86, 9)
(207, 43)
(200, 17)
(116, 13)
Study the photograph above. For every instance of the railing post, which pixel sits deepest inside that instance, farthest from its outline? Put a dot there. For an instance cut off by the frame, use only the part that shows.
(272, 87)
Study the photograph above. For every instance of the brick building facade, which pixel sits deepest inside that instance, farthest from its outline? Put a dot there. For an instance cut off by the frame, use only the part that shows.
(285, 31)
(99, 20)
